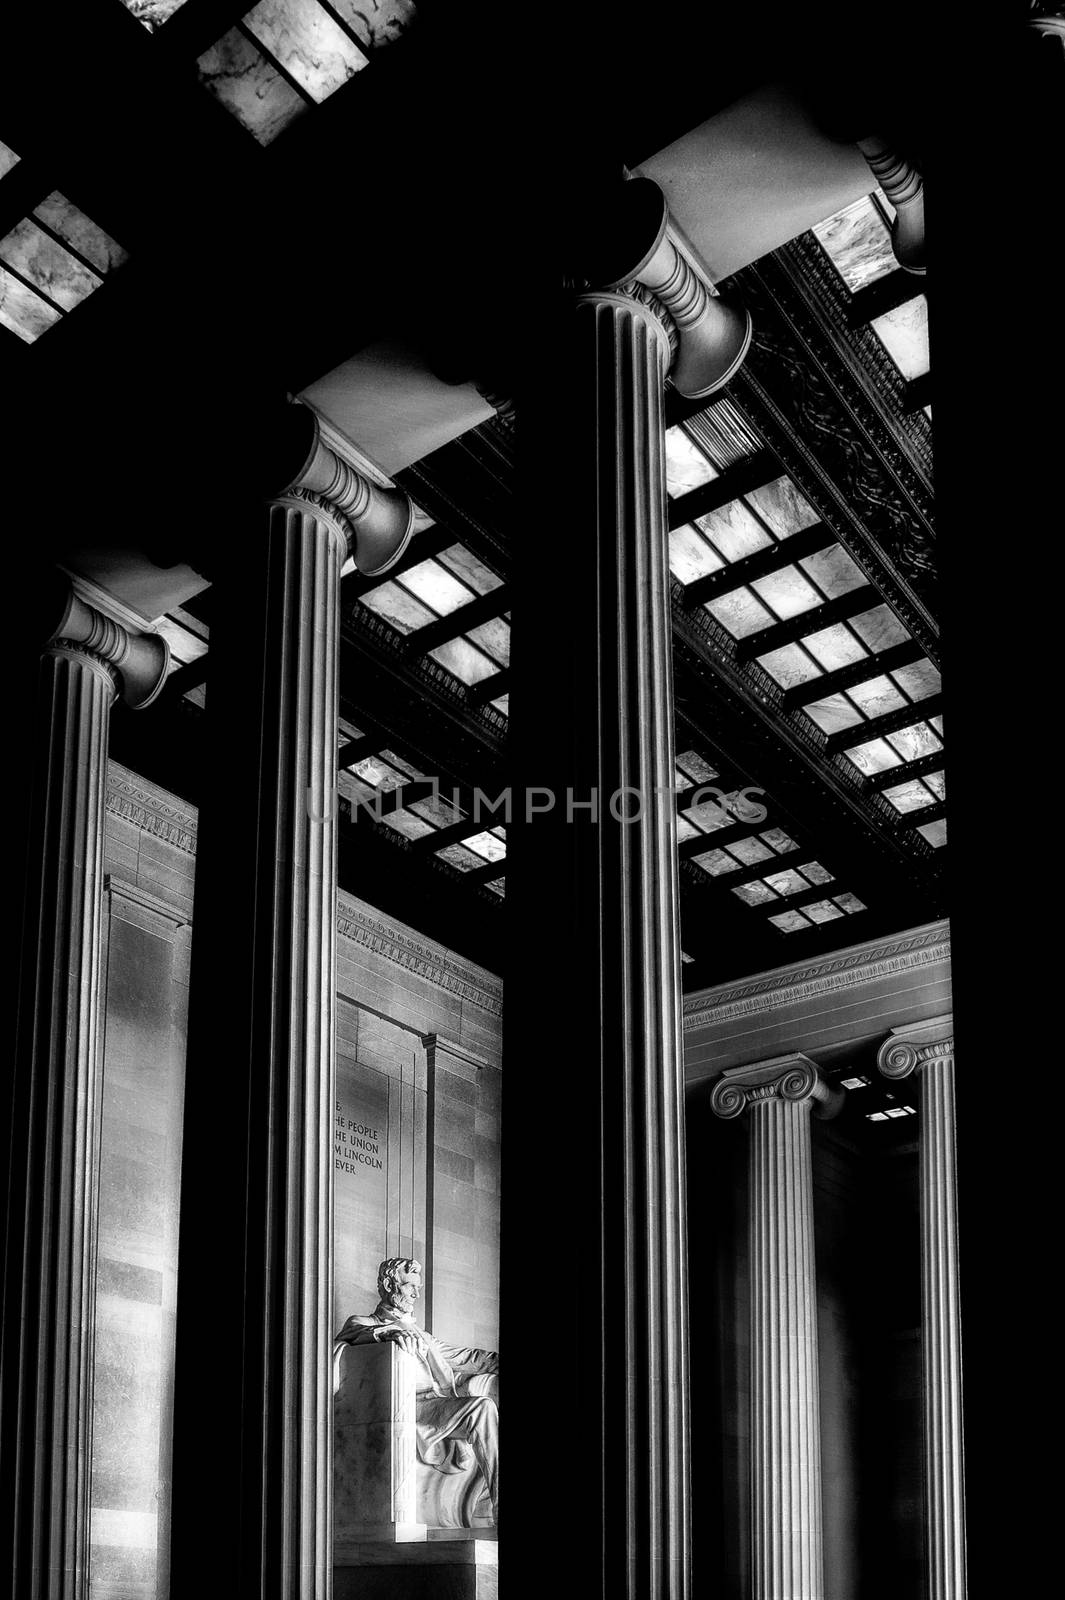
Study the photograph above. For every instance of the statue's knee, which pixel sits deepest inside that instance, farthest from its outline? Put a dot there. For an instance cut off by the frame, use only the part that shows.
(485, 1413)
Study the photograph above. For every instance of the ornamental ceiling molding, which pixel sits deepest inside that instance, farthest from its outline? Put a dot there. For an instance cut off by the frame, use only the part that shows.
(823, 416)
(397, 944)
(707, 643)
(928, 946)
(818, 299)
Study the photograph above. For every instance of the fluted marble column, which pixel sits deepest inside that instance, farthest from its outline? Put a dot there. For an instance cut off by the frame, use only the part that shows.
(273, 1418)
(786, 1534)
(46, 1358)
(626, 354)
(592, 882)
(928, 1050)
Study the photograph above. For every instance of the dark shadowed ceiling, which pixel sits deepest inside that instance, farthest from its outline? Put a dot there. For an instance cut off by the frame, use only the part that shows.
(199, 215)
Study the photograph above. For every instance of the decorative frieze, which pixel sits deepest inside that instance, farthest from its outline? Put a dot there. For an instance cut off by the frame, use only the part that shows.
(149, 810)
(368, 928)
(928, 946)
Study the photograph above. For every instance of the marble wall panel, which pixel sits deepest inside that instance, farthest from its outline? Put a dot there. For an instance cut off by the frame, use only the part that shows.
(464, 1209)
(145, 993)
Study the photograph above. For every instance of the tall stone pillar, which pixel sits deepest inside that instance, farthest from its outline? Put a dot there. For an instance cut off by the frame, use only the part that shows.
(52, 1108)
(593, 887)
(257, 1164)
(786, 1535)
(928, 1049)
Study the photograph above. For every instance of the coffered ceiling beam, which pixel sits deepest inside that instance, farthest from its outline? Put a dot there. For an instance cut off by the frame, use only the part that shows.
(890, 722)
(752, 473)
(830, 683)
(893, 776)
(795, 628)
(887, 294)
(760, 869)
(370, 744)
(760, 564)
(478, 694)
(483, 609)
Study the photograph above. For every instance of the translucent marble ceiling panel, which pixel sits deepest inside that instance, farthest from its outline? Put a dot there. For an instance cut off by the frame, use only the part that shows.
(153, 13)
(47, 265)
(904, 334)
(686, 466)
(310, 44)
(782, 508)
(858, 243)
(23, 312)
(8, 159)
(376, 23)
(80, 232)
(241, 78)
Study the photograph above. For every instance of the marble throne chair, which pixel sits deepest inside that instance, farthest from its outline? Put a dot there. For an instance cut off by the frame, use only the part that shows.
(381, 1490)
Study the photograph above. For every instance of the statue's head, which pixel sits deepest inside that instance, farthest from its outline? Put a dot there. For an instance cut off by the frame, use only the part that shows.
(399, 1282)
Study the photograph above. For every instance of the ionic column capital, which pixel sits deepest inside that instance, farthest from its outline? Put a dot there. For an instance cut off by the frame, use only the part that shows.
(907, 1050)
(373, 523)
(904, 187)
(135, 663)
(708, 336)
(792, 1078)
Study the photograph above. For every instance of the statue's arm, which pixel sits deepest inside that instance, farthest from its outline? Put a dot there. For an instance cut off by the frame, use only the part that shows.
(465, 1359)
(358, 1330)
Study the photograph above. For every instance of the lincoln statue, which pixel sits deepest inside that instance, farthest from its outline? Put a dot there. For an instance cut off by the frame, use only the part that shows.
(457, 1389)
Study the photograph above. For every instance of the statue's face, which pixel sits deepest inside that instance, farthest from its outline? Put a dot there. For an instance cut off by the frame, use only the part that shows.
(406, 1286)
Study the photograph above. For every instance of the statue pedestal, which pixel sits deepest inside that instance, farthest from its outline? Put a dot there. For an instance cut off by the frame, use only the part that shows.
(451, 1564)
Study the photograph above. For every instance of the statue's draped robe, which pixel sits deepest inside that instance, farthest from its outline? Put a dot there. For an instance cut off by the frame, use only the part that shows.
(457, 1396)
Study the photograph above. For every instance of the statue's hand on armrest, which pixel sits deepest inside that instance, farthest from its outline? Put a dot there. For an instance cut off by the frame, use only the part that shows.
(409, 1340)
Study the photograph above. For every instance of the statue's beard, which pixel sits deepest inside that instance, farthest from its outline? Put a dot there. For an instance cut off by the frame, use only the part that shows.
(403, 1300)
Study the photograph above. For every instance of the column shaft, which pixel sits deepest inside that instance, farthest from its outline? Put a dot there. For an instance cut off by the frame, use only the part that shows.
(293, 1026)
(786, 1437)
(941, 1334)
(253, 1429)
(598, 894)
(625, 348)
(928, 1050)
(50, 1254)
